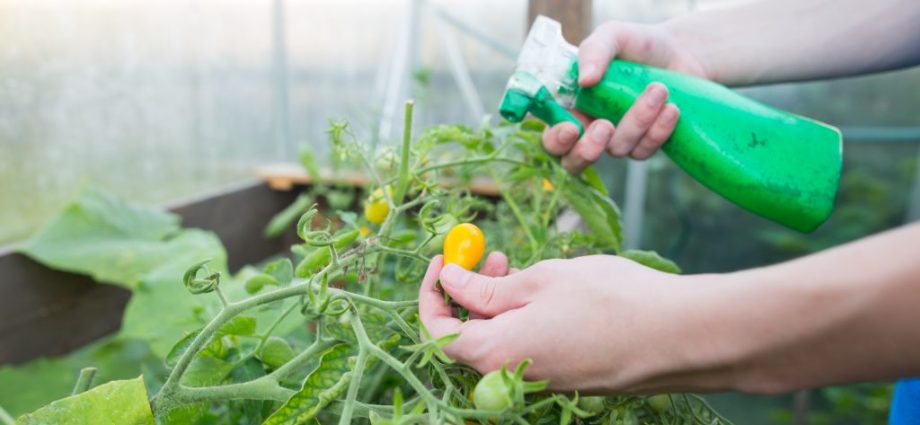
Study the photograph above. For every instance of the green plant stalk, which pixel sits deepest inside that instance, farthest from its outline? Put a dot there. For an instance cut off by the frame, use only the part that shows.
(264, 337)
(353, 386)
(85, 380)
(404, 370)
(520, 218)
(258, 389)
(170, 395)
(402, 184)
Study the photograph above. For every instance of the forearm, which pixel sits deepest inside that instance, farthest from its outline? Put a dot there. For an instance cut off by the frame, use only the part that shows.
(792, 40)
(844, 315)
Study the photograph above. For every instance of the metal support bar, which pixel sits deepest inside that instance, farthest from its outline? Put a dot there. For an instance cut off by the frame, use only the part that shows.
(282, 125)
(636, 177)
(913, 209)
(405, 59)
(461, 73)
(485, 39)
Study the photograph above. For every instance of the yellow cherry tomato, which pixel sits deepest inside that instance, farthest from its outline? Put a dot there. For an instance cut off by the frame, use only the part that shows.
(464, 245)
(364, 231)
(376, 207)
(548, 185)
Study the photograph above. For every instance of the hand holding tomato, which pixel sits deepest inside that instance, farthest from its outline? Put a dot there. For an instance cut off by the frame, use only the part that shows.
(589, 324)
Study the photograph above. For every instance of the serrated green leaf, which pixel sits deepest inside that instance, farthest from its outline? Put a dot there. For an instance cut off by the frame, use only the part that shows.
(206, 370)
(597, 211)
(592, 178)
(172, 358)
(282, 270)
(239, 325)
(115, 403)
(323, 385)
(651, 259)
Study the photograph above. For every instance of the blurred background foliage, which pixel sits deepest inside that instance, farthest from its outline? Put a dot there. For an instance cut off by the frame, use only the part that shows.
(161, 101)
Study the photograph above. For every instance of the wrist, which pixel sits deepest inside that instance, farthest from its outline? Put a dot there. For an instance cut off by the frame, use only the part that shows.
(683, 343)
(719, 328)
(690, 48)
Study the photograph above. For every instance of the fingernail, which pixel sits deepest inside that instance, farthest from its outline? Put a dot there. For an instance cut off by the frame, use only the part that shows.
(568, 134)
(453, 275)
(601, 133)
(588, 71)
(657, 94)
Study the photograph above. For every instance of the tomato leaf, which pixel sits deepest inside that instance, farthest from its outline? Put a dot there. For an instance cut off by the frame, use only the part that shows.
(651, 259)
(239, 325)
(591, 177)
(597, 210)
(116, 402)
(282, 270)
(323, 385)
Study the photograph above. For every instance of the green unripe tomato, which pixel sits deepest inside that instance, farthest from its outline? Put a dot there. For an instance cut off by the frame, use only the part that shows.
(660, 403)
(592, 405)
(492, 394)
(276, 352)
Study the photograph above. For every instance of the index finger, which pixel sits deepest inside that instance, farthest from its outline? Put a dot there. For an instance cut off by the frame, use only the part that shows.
(559, 139)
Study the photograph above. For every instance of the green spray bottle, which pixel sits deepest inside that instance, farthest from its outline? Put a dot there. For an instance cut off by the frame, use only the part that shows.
(776, 164)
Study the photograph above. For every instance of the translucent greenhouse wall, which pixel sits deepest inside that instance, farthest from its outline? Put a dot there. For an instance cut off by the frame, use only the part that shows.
(162, 100)
(159, 101)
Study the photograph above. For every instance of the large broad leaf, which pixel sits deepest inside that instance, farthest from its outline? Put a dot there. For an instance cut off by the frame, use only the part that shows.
(597, 211)
(107, 238)
(161, 311)
(651, 259)
(115, 403)
(28, 386)
(323, 385)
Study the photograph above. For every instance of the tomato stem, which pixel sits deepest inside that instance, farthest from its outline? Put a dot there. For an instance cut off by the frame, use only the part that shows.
(85, 380)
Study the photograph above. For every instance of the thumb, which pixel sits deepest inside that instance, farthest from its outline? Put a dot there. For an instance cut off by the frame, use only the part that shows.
(595, 54)
(485, 295)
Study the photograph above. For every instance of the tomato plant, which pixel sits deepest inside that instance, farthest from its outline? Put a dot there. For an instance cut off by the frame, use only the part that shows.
(329, 332)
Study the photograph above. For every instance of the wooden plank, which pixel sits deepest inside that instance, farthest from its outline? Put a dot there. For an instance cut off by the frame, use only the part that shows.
(574, 15)
(44, 312)
(285, 176)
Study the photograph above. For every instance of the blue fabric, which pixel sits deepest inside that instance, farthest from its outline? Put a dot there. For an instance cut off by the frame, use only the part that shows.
(905, 406)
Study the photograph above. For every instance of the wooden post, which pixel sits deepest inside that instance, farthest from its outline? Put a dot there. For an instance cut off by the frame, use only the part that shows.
(574, 15)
